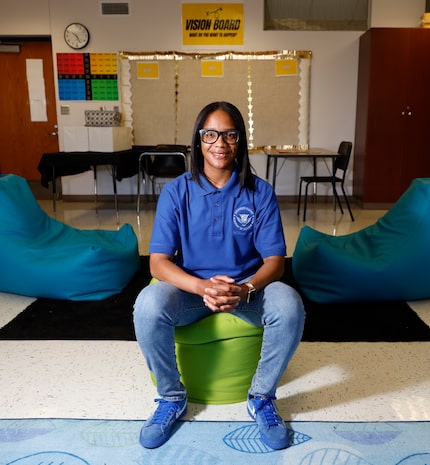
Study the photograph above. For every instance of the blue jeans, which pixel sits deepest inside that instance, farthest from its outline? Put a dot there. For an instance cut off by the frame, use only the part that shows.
(160, 307)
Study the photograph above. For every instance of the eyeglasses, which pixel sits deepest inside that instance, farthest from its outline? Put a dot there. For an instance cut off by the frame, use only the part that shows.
(210, 136)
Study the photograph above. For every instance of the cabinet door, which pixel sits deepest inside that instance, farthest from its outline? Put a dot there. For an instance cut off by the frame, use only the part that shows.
(416, 156)
(388, 90)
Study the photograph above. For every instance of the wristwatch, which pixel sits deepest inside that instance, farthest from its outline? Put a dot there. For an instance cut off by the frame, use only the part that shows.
(250, 297)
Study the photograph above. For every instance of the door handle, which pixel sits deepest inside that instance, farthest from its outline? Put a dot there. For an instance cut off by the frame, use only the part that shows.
(408, 112)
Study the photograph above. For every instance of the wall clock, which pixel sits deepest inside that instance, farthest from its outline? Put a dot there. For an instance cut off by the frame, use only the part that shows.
(76, 36)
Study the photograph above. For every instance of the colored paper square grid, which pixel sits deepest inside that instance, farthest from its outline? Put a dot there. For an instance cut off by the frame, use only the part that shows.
(72, 89)
(70, 63)
(104, 89)
(104, 63)
(87, 76)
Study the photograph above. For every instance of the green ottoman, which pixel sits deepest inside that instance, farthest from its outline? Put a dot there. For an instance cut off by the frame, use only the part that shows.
(217, 358)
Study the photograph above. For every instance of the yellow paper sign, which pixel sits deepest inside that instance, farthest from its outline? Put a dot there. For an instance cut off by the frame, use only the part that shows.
(212, 68)
(147, 70)
(212, 23)
(286, 67)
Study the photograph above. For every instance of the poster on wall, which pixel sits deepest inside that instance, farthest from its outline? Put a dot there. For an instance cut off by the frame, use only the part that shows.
(212, 23)
(87, 76)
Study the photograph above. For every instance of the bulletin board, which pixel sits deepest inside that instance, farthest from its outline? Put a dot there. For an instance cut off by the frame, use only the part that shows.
(162, 94)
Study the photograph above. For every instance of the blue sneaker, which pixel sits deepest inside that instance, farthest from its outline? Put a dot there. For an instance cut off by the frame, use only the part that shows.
(156, 430)
(273, 431)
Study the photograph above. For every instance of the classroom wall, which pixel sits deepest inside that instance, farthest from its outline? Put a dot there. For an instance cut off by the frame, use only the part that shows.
(157, 26)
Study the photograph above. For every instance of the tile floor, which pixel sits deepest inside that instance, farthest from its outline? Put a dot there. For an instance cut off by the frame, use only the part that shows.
(109, 380)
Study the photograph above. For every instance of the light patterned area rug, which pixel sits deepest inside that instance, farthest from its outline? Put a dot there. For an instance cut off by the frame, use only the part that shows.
(96, 442)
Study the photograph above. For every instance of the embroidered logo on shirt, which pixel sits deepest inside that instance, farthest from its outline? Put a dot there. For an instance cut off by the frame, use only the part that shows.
(243, 218)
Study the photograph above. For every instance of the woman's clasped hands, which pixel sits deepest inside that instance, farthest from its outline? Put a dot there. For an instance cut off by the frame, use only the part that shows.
(222, 294)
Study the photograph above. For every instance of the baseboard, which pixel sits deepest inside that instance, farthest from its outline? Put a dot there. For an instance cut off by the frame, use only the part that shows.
(374, 205)
(39, 191)
(42, 193)
(322, 198)
(124, 198)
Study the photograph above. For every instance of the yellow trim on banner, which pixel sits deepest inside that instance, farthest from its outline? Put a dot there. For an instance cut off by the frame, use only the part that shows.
(228, 55)
(212, 24)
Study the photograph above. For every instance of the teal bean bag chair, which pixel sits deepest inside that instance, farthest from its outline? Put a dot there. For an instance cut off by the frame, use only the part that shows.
(387, 261)
(43, 257)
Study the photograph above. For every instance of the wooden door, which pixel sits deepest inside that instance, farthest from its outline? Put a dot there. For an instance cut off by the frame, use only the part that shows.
(22, 140)
(388, 92)
(416, 157)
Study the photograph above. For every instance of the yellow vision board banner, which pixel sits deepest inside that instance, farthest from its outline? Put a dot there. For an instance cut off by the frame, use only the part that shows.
(212, 24)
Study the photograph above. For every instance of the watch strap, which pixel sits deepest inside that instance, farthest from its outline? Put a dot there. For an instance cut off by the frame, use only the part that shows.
(250, 296)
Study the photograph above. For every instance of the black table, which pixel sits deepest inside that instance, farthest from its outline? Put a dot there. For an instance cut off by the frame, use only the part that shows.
(124, 164)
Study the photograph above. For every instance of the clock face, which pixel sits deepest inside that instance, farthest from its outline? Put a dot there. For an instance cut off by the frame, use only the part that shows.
(76, 35)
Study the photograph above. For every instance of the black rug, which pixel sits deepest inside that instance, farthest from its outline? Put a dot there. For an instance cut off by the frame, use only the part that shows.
(111, 319)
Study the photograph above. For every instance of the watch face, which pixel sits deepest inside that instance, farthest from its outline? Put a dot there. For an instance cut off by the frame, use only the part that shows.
(76, 35)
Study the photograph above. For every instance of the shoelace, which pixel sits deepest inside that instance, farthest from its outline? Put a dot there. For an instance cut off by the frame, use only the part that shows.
(164, 412)
(267, 408)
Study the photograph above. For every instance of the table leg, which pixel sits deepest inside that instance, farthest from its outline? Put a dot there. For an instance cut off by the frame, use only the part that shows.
(54, 190)
(115, 192)
(95, 182)
(334, 189)
(139, 180)
(314, 160)
(275, 169)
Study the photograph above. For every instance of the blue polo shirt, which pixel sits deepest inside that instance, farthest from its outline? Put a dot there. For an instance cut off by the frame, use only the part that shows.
(218, 231)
